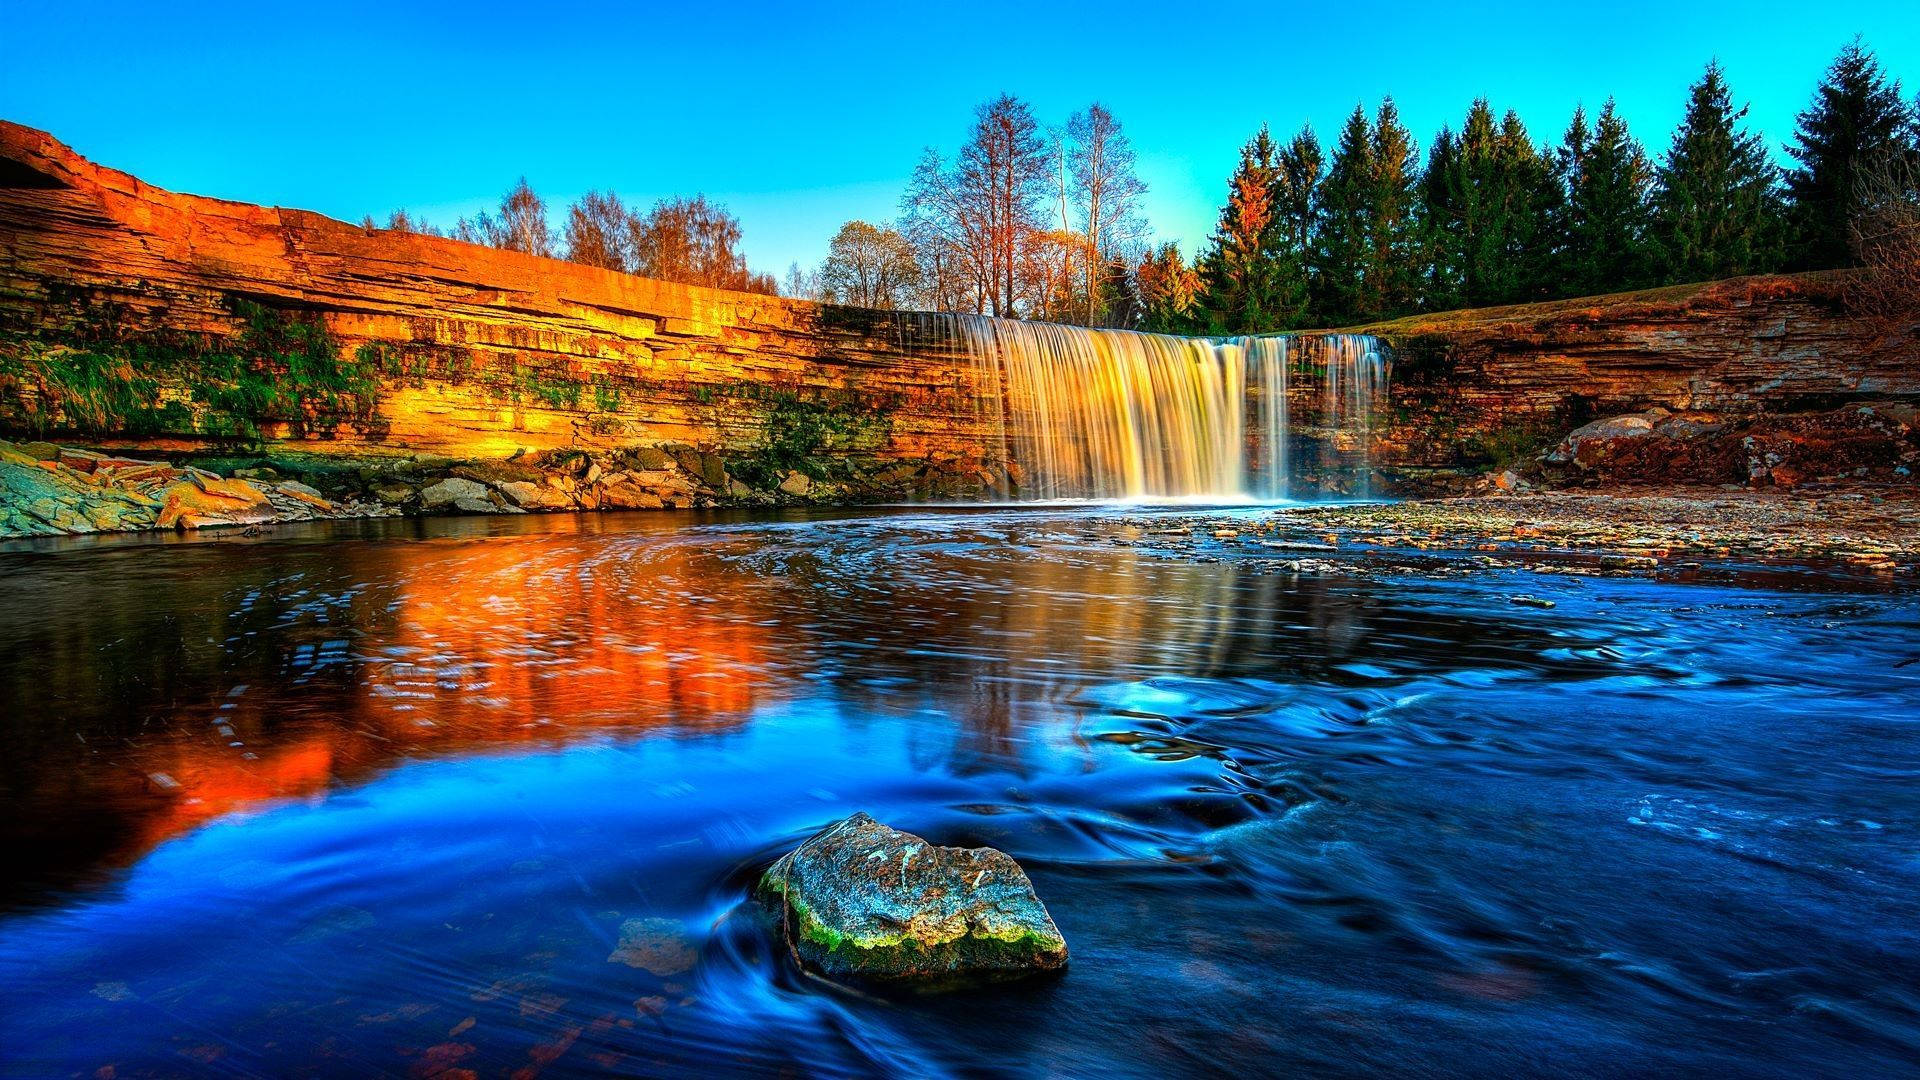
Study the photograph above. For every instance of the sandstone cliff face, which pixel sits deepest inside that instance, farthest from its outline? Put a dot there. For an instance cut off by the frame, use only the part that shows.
(1505, 383)
(477, 352)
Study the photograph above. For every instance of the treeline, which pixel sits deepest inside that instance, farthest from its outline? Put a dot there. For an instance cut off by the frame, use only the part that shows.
(689, 240)
(1366, 229)
(1048, 222)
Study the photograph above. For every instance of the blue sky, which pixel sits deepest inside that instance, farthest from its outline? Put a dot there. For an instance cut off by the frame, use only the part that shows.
(802, 116)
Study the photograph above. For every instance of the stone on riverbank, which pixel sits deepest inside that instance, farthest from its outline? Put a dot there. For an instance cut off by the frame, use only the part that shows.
(451, 491)
(865, 902)
(199, 502)
(1872, 440)
(48, 490)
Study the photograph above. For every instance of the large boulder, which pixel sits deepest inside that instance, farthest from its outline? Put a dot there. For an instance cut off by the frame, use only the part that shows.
(1874, 439)
(864, 902)
(1590, 444)
(204, 500)
(620, 492)
(531, 496)
(455, 491)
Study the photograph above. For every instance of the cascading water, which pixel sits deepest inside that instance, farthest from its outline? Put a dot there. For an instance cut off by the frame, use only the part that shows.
(1109, 414)
(1269, 358)
(1356, 378)
(1117, 414)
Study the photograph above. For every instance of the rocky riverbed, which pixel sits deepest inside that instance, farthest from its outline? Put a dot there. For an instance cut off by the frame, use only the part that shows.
(47, 489)
(1866, 530)
(1862, 527)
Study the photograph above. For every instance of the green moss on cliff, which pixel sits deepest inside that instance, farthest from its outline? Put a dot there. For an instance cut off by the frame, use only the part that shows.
(96, 393)
(606, 395)
(1514, 444)
(800, 427)
(555, 391)
(93, 378)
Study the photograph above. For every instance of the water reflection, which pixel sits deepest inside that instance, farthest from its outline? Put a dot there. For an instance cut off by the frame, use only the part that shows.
(156, 694)
(397, 797)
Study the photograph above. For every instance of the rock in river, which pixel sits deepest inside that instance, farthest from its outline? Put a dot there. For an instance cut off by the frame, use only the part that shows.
(864, 902)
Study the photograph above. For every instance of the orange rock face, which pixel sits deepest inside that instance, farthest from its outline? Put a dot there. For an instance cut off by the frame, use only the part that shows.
(489, 352)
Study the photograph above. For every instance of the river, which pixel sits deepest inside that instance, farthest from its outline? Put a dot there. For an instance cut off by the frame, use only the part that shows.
(378, 798)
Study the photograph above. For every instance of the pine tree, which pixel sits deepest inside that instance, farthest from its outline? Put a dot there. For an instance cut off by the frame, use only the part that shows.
(1464, 208)
(1443, 190)
(1169, 290)
(1716, 211)
(1341, 250)
(1296, 203)
(1607, 178)
(1489, 204)
(1570, 163)
(1530, 205)
(1389, 280)
(1238, 272)
(1483, 213)
(1857, 116)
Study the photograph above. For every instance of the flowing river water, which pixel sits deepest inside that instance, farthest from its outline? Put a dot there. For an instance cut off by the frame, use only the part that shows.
(414, 797)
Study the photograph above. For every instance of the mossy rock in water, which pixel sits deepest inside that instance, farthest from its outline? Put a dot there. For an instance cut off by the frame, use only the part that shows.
(866, 903)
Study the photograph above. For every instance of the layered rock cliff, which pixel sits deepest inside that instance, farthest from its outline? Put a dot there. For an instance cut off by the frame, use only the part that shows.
(1755, 355)
(137, 316)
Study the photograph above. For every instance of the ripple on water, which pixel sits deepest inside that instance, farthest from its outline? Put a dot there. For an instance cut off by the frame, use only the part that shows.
(499, 803)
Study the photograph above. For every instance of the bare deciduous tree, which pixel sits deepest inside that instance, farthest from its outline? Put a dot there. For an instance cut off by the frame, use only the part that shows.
(948, 280)
(599, 231)
(983, 207)
(521, 225)
(1056, 255)
(401, 221)
(801, 283)
(869, 266)
(1050, 273)
(1885, 235)
(949, 234)
(693, 241)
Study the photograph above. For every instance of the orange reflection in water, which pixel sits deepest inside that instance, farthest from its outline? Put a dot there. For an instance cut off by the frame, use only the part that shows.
(505, 638)
(453, 643)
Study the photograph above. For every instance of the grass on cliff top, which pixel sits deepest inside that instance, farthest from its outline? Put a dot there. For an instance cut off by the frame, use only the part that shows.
(1609, 305)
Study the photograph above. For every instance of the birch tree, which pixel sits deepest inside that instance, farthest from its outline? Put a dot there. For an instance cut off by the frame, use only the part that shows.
(1105, 193)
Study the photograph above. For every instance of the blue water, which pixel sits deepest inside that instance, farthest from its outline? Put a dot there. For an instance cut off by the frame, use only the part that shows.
(378, 800)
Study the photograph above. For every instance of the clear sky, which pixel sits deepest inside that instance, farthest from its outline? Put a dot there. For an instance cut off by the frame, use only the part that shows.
(799, 117)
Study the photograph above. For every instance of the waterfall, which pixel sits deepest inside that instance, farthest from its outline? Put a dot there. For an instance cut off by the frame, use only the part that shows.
(1356, 378)
(1118, 414)
(1271, 357)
